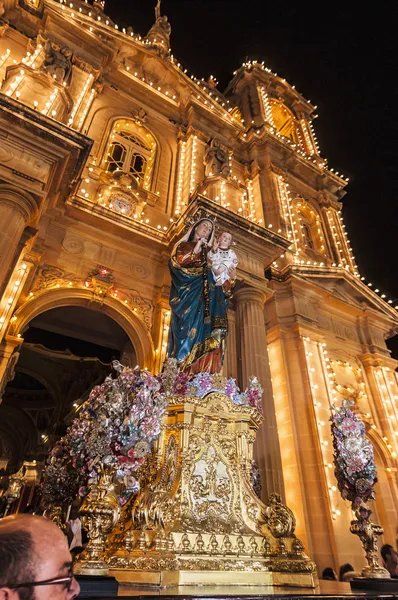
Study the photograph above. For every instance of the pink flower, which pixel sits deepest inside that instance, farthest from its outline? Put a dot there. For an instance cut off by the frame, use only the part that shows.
(150, 427)
(348, 426)
(203, 383)
(355, 464)
(180, 387)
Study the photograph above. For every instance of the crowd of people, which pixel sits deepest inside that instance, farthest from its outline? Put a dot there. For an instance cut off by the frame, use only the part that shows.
(347, 572)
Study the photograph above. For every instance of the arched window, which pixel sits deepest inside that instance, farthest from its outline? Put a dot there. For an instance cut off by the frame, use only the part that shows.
(132, 149)
(307, 236)
(284, 120)
(309, 229)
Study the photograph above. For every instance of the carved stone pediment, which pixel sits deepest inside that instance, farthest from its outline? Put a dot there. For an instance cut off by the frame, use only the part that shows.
(350, 291)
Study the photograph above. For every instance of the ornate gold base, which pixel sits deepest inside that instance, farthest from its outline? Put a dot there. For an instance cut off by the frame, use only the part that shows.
(197, 521)
(166, 579)
(97, 570)
(375, 573)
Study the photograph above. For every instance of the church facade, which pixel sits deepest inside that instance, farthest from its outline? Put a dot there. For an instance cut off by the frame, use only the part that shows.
(107, 146)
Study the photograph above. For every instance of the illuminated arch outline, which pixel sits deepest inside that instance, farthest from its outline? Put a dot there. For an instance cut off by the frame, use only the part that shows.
(135, 329)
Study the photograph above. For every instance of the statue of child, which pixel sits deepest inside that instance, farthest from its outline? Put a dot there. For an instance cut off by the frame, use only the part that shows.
(223, 259)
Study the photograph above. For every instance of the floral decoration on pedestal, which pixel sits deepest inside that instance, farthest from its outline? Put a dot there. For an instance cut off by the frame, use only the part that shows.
(178, 383)
(356, 476)
(116, 427)
(355, 468)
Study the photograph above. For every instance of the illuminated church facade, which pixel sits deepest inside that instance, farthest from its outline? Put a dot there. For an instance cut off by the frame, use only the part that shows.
(107, 145)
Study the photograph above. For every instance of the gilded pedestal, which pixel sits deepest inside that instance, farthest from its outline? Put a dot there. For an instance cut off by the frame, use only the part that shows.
(199, 521)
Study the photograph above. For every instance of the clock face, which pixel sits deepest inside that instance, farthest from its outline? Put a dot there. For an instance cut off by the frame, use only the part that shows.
(120, 204)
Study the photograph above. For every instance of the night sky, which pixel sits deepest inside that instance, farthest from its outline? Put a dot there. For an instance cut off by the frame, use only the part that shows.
(343, 60)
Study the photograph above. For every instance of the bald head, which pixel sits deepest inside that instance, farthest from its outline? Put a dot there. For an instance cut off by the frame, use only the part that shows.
(33, 549)
(31, 523)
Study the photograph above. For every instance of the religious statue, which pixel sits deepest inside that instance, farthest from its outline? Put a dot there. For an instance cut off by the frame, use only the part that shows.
(159, 34)
(162, 21)
(216, 160)
(223, 259)
(199, 298)
(57, 62)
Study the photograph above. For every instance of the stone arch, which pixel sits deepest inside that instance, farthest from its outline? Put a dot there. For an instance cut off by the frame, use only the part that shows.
(285, 121)
(134, 327)
(20, 199)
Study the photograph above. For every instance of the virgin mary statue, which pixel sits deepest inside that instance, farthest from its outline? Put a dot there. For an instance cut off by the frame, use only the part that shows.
(199, 308)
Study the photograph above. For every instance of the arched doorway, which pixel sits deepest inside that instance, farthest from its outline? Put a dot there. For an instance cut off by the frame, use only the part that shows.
(68, 346)
(128, 319)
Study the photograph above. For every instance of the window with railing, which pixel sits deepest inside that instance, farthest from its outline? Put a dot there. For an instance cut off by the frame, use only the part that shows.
(131, 149)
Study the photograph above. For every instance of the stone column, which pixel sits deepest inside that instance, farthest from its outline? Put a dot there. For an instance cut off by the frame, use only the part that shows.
(17, 209)
(160, 326)
(253, 360)
(9, 355)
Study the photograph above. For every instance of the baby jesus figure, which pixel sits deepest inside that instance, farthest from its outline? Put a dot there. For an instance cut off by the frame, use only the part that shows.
(223, 260)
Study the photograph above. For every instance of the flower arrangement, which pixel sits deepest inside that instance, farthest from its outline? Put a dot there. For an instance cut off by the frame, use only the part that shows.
(116, 427)
(355, 469)
(178, 383)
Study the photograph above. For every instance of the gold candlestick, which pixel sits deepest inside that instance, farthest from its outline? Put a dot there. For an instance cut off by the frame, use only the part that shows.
(100, 513)
(368, 533)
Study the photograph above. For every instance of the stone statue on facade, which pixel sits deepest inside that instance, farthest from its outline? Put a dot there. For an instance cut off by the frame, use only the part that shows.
(216, 160)
(159, 34)
(57, 62)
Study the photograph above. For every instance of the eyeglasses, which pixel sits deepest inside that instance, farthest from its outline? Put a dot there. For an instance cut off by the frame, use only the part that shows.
(65, 581)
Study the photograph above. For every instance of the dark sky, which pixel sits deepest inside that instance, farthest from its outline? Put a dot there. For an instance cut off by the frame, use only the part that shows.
(344, 60)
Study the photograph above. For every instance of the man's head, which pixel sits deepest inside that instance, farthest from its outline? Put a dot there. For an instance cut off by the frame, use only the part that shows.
(344, 569)
(390, 558)
(33, 550)
(225, 240)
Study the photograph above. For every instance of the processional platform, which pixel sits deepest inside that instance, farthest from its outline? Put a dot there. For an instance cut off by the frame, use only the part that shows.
(196, 519)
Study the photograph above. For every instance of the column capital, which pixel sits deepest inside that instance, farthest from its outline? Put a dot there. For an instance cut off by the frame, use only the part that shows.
(374, 359)
(247, 293)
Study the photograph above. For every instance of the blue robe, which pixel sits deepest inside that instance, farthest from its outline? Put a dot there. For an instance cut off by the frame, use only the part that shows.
(191, 338)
